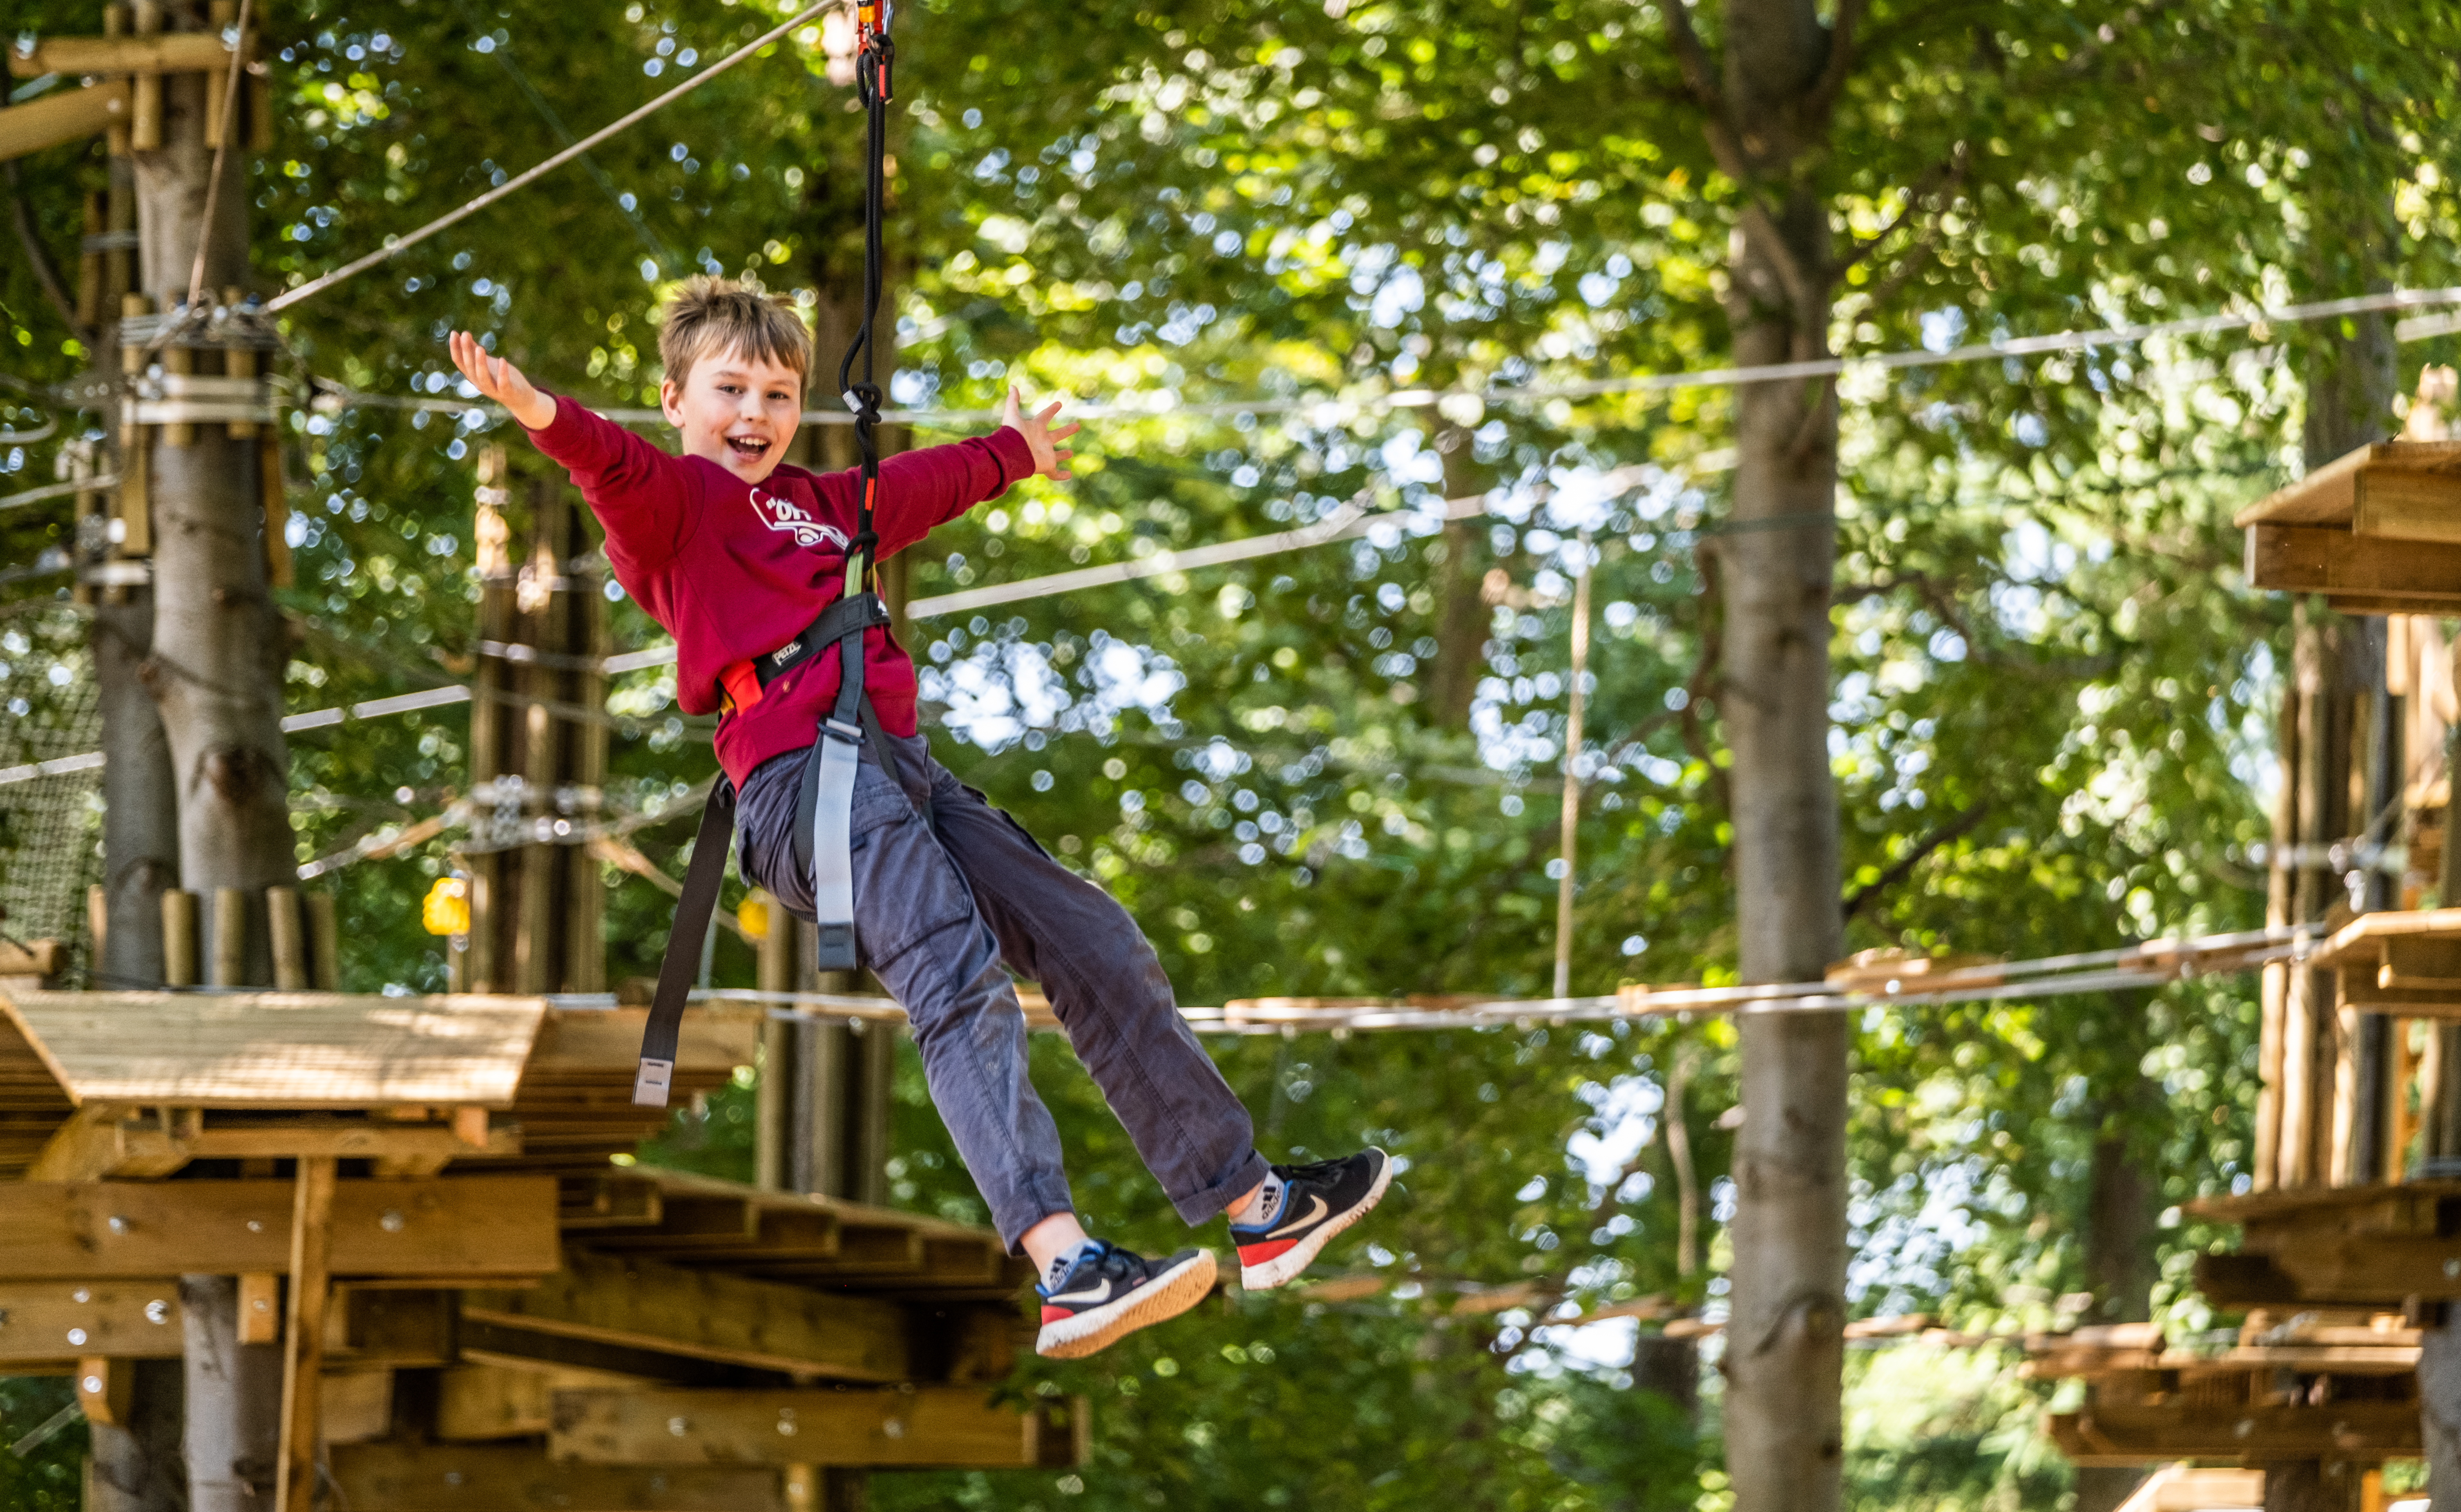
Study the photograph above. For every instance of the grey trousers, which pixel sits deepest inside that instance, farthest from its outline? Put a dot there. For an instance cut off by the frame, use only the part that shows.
(939, 909)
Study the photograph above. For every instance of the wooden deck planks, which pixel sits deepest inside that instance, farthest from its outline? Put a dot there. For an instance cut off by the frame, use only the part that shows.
(278, 1051)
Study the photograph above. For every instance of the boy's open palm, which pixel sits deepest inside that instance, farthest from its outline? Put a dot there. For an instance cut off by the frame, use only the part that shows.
(500, 381)
(1050, 457)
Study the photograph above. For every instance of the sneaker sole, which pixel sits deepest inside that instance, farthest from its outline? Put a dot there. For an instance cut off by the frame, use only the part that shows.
(1166, 1297)
(1287, 1264)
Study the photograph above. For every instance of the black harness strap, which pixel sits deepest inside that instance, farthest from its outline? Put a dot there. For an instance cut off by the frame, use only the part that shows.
(693, 910)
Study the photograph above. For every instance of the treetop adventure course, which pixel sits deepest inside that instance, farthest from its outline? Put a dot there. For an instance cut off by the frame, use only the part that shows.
(440, 1247)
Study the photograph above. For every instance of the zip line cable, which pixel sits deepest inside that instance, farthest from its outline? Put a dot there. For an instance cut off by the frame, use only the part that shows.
(1166, 406)
(396, 245)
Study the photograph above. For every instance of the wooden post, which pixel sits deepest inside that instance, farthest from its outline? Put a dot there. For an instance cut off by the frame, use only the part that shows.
(102, 1390)
(303, 1347)
(325, 937)
(289, 935)
(259, 1307)
(536, 907)
(179, 937)
(773, 1094)
(98, 920)
(230, 937)
(145, 115)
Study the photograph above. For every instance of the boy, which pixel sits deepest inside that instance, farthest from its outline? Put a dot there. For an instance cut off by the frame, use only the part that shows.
(734, 554)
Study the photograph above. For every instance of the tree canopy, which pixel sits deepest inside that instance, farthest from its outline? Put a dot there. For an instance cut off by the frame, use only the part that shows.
(1308, 255)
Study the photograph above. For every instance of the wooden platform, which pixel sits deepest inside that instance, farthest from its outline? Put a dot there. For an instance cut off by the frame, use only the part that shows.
(517, 1318)
(98, 1084)
(2377, 531)
(2313, 1384)
(2405, 962)
(2367, 1247)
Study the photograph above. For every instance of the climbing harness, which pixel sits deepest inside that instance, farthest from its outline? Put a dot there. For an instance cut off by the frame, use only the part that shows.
(824, 809)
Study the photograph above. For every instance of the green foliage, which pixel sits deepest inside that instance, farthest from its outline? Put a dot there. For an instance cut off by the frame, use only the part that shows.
(2053, 691)
(49, 1476)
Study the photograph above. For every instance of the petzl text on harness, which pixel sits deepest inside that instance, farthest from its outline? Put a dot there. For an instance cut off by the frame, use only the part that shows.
(825, 807)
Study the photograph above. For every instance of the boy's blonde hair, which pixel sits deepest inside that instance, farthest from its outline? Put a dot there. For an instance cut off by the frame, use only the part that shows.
(712, 315)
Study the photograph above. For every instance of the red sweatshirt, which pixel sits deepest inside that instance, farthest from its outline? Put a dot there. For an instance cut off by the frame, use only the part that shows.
(736, 570)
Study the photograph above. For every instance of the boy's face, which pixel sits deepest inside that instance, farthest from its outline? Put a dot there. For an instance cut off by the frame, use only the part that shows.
(735, 410)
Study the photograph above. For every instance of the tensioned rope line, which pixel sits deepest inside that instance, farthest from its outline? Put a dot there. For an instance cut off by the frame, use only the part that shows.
(2154, 963)
(1164, 406)
(398, 246)
(79, 485)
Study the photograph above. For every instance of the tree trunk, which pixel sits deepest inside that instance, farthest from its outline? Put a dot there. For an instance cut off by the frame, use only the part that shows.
(215, 671)
(141, 811)
(2309, 1486)
(216, 668)
(2119, 1262)
(1786, 1346)
(1459, 556)
(235, 1394)
(135, 1465)
(2439, 1410)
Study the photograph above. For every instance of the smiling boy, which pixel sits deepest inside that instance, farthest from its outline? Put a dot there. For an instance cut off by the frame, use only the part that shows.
(736, 553)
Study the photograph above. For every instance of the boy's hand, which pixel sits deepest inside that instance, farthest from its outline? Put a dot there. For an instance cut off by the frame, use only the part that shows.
(1050, 457)
(500, 381)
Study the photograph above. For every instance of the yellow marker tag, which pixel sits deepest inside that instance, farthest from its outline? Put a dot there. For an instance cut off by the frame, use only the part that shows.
(446, 908)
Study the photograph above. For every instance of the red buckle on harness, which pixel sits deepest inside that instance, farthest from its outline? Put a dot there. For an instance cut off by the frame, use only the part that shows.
(742, 685)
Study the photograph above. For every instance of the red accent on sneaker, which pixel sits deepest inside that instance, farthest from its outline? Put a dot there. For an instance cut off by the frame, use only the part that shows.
(1271, 1249)
(1052, 1314)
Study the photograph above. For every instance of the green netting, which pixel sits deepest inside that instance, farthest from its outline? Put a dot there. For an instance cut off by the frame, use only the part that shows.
(50, 827)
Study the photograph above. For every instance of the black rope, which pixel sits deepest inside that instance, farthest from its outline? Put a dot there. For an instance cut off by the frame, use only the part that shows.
(863, 395)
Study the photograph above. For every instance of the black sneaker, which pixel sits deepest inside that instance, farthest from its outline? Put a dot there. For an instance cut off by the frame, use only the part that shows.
(1109, 1292)
(1318, 1201)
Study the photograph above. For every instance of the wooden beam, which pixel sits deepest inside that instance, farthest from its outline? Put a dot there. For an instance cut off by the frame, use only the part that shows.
(105, 1140)
(2362, 989)
(2327, 495)
(366, 1330)
(475, 1228)
(945, 1427)
(2106, 1434)
(710, 1316)
(716, 1039)
(51, 1320)
(164, 53)
(62, 116)
(485, 1343)
(303, 1344)
(2308, 559)
(607, 1202)
(259, 1307)
(2404, 504)
(356, 1406)
(399, 1476)
(103, 1389)
(484, 1402)
(2380, 1269)
(2244, 1281)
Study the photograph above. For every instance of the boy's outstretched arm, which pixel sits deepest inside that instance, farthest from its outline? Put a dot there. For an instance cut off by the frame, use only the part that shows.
(636, 491)
(926, 489)
(502, 382)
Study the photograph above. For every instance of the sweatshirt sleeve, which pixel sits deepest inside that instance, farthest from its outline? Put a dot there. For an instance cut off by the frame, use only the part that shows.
(642, 497)
(923, 489)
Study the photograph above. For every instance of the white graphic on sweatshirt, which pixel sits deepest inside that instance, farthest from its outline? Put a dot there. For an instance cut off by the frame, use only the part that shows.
(779, 514)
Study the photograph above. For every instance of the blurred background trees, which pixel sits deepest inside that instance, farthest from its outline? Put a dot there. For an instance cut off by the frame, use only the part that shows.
(1336, 771)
